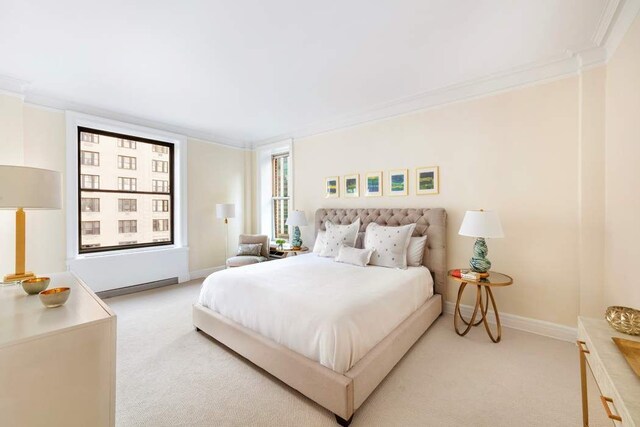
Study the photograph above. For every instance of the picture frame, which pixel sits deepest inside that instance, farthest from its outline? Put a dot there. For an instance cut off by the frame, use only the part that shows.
(398, 182)
(427, 180)
(373, 184)
(351, 185)
(332, 187)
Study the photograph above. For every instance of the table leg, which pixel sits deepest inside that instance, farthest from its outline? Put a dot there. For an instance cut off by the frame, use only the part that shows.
(489, 296)
(457, 314)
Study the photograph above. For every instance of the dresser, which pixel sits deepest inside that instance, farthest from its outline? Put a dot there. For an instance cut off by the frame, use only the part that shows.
(616, 383)
(57, 365)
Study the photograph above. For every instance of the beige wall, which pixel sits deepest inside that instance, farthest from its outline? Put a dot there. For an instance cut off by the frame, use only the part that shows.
(622, 224)
(515, 152)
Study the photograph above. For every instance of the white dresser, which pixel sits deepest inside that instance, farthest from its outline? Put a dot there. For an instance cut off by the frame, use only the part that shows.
(57, 365)
(617, 384)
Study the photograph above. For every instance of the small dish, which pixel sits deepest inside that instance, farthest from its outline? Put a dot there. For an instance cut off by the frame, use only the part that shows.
(35, 285)
(54, 297)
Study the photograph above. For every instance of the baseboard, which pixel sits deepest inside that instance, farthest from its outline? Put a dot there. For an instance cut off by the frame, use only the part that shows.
(199, 274)
(136, 288)
(540, 327)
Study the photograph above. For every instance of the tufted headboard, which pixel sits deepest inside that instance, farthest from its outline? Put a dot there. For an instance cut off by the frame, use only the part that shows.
(430, 222)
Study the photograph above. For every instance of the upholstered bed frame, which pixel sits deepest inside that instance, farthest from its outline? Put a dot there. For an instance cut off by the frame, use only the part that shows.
(343, 394)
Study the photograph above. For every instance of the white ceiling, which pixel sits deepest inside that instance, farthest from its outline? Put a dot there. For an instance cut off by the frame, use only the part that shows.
(249, 71)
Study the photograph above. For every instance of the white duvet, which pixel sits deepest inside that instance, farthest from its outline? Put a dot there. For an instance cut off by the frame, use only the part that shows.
(330, 312)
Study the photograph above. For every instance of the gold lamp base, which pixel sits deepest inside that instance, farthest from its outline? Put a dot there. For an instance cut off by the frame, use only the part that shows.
(15, 277)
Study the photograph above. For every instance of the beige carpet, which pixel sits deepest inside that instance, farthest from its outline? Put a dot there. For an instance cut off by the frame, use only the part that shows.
(168, 374)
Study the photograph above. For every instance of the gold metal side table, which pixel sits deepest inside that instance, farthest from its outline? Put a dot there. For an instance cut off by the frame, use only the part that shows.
(482, 304)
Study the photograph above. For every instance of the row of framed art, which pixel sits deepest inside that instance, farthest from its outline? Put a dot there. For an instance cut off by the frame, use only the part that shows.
(427, 182)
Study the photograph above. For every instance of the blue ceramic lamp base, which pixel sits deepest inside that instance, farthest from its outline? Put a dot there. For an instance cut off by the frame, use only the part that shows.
(479, 262)
(296, 241)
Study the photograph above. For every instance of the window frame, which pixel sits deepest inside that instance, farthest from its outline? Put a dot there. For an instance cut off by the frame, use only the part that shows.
(133, 162)
(275, 199)
(171, 193)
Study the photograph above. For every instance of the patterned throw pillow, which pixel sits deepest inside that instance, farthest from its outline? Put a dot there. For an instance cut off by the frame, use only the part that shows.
(337, 235)
(390, 244)
(252, 249)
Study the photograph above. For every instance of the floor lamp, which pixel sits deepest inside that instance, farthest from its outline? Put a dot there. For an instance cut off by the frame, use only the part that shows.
(27, 188)
(226, 211)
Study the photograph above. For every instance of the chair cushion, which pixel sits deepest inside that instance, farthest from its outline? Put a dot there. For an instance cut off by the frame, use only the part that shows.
(239, 261)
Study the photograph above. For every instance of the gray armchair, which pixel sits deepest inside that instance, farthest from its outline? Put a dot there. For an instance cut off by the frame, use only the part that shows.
(239, 261)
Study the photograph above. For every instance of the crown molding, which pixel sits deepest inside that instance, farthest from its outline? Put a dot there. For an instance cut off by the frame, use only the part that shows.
(604, 23)
(626, 11)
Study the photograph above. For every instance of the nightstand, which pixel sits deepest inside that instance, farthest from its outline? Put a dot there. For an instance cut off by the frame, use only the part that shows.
(294, 252)
(494, 279)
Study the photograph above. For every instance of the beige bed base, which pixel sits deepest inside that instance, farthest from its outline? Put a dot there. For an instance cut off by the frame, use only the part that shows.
(342, 394)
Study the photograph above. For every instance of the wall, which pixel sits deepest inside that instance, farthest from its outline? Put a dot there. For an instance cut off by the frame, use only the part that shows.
(515, 152)
(622, 200)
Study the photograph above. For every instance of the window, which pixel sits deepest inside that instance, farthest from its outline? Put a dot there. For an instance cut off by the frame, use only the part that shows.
(160, 224)
(90, 228)
(89, 181)
(161, 149)
(127, 184)
(160, 186)
(126, 143)
(160, 205)
(280, 198)
(89, 158)
(160, 166)
(127, 226)
(100, 188)
(127, 205)
(126, 162)
(90, 204)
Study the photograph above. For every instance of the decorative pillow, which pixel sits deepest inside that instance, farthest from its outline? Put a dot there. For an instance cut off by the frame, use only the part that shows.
(349, 255)
(337, 235)
(390, 244)
(320, 242)
(252, 249)
(415, 251)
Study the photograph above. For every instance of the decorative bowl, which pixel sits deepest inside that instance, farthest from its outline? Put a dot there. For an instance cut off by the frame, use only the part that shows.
(54, 297)
(35, 285)
(624, 319)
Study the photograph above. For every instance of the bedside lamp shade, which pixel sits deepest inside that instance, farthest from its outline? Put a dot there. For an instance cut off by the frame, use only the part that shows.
(30, 188)
(225, 210)
(481, 224)
(296, 218)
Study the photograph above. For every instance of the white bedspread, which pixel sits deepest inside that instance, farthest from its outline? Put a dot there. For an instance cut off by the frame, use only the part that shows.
(330, 312)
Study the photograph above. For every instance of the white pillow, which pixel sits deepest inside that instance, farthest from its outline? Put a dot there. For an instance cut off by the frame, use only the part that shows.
(349, 255)
(390, 244)
(319, 244)
(415, 251)
(337, 235)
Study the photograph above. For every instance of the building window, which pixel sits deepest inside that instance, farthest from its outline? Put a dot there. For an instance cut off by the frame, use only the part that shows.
(100, 187)
(127, 226)
(160, 224)
(89, 158)
(160, 186)
(90, 228)
(127, 205)
(280, 198)
(90, 204)
(127, 162)
(127, 184)
(160, 205)
(89, 181)
(126, 143)
(160, 166)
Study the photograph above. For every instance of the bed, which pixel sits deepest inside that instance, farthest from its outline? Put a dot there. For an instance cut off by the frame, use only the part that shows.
(352, 324)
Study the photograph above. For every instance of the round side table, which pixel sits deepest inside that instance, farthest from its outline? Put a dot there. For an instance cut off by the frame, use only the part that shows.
(294, 252)
(482, 304)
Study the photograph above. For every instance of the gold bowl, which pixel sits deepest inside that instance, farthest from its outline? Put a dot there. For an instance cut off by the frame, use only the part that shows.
(624, 319)
(54, 297)
(35, 285)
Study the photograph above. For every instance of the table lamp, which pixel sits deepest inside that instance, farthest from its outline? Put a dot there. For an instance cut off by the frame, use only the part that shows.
(226, 211)
(481, 224)
(27, 188)
(296, 219)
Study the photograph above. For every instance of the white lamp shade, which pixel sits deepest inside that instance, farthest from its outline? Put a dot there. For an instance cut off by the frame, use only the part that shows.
(30, 188)
(481, 224)
(225, 210)
(296, 218)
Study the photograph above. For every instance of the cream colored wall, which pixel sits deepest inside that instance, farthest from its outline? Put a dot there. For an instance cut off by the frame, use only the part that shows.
(515, 152)
(622, 201)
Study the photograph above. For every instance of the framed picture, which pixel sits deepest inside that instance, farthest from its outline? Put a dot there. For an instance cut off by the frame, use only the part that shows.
(398, 185)
(352, 185)
(427, 180)
(332, 187)
(373, 184)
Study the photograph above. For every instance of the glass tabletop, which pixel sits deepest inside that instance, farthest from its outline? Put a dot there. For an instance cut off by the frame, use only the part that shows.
(494, 279)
